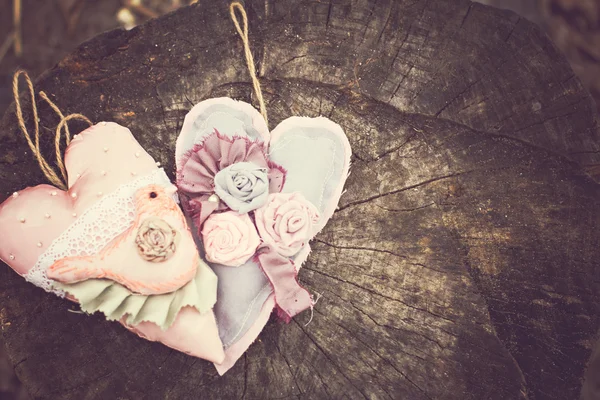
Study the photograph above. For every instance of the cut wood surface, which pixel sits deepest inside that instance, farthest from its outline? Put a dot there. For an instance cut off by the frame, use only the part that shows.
(463, 260)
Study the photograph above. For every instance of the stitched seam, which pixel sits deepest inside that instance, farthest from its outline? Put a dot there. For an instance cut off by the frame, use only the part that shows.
(267, 286)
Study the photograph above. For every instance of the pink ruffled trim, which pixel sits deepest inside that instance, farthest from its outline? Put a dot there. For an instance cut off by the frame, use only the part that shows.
(200, 164)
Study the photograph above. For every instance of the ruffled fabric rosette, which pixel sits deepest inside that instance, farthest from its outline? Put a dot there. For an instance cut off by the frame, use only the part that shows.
(116, 242)
(256, 199)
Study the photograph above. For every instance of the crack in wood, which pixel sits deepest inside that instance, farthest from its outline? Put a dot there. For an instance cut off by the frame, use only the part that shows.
(388, 362)
(374, 292)
(361, 248)
(289, 368)
(340, 370)
(416, 185)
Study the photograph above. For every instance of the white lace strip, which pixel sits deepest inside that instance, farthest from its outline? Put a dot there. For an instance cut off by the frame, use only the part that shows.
(95, 228)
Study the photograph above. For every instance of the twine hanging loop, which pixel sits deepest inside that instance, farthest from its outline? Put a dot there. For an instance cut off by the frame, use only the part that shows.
(243, 32)
(34, 144)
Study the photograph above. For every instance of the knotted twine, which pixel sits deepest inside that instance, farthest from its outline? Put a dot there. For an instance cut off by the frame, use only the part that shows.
(34, 144)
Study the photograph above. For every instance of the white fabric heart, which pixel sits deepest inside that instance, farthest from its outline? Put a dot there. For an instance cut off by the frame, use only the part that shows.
(315, 155)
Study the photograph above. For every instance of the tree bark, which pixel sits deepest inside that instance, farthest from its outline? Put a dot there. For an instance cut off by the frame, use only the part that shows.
(462, 261)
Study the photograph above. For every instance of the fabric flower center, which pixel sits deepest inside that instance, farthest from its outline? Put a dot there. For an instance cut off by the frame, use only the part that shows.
(223, 172)
(242, 182)
(157, 238)
(295, 224)
(224, 240)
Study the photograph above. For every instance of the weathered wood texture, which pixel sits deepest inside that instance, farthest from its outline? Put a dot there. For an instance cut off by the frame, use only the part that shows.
(463, 261)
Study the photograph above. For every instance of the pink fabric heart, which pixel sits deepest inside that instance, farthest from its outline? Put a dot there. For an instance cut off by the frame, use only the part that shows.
(101, 160)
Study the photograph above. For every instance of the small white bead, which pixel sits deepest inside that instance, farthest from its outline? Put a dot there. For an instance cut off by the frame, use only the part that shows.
(213, 198)
(48, 216)
(103, 123)
(74, 195)
(137, 153)
(103, 173)
(53, 193)
(22, 220)
(106, 149)
(15, 194)
(39, 244)
(79, 175)
(133, 173)
(158, 163)
(74, 214)
(11, 257)
(99, 193)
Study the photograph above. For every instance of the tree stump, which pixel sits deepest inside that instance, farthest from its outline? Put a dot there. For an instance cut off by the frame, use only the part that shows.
(462, 262)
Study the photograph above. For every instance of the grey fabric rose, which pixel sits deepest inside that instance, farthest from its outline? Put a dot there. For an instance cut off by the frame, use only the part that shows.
(243, 186)
(156, 240)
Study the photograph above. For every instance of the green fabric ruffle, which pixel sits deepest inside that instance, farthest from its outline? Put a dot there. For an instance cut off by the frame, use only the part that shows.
(115, 300)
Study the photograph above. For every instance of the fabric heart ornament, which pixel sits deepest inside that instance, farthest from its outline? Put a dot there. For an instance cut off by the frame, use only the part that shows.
(256, 198)
(116, 242)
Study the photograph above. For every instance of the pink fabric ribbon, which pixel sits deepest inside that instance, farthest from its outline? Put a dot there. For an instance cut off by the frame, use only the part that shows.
(290, 297)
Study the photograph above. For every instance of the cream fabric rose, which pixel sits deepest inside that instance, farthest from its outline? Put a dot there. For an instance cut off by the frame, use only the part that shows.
(229, 238)
(243, 186)
(156, 240)
(286, 222)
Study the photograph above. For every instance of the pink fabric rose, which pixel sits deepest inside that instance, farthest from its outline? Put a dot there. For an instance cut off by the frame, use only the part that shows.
(286, 222)
(229, 238)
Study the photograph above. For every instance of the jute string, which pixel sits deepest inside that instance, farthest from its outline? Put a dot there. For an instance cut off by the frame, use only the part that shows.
(34, 144)
(243, 32)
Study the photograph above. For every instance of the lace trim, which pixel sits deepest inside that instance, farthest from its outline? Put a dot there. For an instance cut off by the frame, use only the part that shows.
(95, 228)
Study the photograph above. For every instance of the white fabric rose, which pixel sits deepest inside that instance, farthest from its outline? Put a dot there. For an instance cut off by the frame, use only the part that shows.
(243, 186)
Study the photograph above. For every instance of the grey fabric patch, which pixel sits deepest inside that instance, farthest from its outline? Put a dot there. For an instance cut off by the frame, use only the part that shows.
(241, 294)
